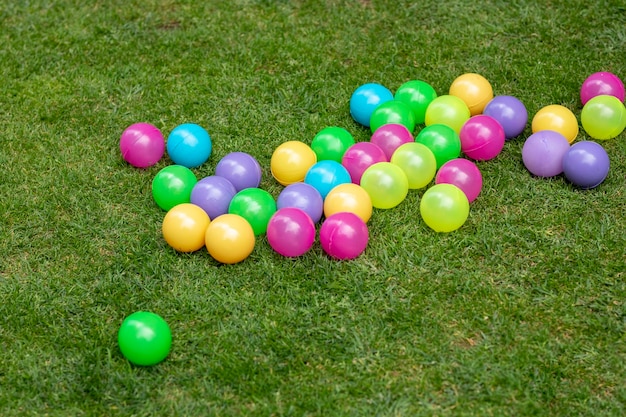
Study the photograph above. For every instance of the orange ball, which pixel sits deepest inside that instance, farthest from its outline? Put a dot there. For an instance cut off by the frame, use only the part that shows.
(229, 238)
(474, 90)
(351, 198)
(291, 161)
(558, 118)
(184, 227)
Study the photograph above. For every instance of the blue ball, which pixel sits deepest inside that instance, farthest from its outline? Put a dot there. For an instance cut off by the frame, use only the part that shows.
(326, 175)
(365, 99)
(189, 145)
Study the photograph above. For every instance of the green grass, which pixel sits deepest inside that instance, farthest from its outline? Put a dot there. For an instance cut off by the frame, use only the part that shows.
(521, 312)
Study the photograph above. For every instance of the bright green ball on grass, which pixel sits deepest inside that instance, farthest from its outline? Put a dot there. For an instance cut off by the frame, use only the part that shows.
(394, 111)
(144, 338)
(331, 143)
(418, 95)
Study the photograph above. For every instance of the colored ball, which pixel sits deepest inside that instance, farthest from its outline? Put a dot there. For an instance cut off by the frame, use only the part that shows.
(290, 162)
(418, 163)
(365, 99)
(189, 145)
(586, 164)
(344, 235)
(172, 185)
(442, 140)
(256, 206)
(464, 174)
(326, 175)
(302, 196)
(361, 156)
(599, 84)
(390, 136)
(213, 194)
(417, 95)
(558, 118)
(291, 232)
(474, 90)
(482, 138)
(393, 111)
(510, 112)
(184, 227)
(142, 145)
(144, 338)
(543, 153)
(444, 207)
(448, 110)
(386, 184)
(331, 143)
(241, 169)
(603, 117)
(229, 238)
(351, 198)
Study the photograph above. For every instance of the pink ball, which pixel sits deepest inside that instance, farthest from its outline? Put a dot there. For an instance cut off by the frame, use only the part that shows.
(601, 83)
(290, 232)
(344, 235)
(390, 136)
(361, 156)
(464, 174)
(482, 137)
(142, 145)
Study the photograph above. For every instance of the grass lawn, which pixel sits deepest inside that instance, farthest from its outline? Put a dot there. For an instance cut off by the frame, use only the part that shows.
(520, 312)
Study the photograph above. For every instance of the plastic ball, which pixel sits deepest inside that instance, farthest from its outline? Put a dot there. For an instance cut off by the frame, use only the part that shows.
(344, 235)
(474, 90)
(586, 164)
(331, 143)
(482, 138)
(393, 111)
(365, 99)
(386, 184)
(361, 156)
(172, 185)
(229, 238)
(302, 196)
(256, 206)
(558, 118)
(189, 145)
(144, 338)
(142, 145)
(442, 140)
(418, 95)
(291, 232)
(510, 112)
(213, 194)
(418, 163)
(543, 153)
(349, 198)
(241, 169)
(290, 162)
(184, 227)
(444, 207)
(601, 83)
(603, 117)
(326, 175)
(447, 110)
(464, 174)
(390, 136)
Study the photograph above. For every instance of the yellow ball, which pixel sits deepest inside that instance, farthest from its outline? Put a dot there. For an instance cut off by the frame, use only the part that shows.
(184, 227)
(229, 238)
(558, 118)
(291, 161)
(474, 90)
(351, 198)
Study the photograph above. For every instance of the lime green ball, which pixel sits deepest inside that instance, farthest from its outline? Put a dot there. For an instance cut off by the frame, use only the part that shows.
(331, 143)
(393, 111)
(144, 338)
(444, 207)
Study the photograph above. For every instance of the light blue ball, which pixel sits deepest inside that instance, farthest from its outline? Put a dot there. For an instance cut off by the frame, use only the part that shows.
(326, 175)
(365, 99)
(189, 145)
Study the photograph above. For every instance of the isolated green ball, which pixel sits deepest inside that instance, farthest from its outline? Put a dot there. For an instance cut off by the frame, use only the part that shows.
(331, 143)
(393, 111)
(144, 338)
(255, 205)
(172, 186)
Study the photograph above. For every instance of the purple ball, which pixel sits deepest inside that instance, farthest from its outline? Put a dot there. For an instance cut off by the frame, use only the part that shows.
(543, 153)
(510, 112)
(303, 196)
(241, 169)
(586, 164)
(213, 194)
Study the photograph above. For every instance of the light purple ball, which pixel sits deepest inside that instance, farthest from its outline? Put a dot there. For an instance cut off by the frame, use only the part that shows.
(213, 194)
(303, 196)
(510, 112)
(543, 153)
(241, 169)
(586, 164)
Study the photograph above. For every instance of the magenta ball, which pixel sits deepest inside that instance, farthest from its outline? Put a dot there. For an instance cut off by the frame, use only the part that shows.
(303, 196)
(361, 156)
(291, 232)
(510, 112)
(344, 235)
(390, 137)
(464, 174)
(586, 164)
(482, 138)
(601, 84)
(543, 153)
(142, 145)
(241, 169)
(213, 194)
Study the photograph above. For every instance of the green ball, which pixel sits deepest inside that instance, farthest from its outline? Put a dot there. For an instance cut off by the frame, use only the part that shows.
(172, 186)
(444, 207)
(603, 117)
(443, 141)
(393, 111)
(448, 110)
(418, 95)
(386, 184)
(144, 338)
(418, 163)
(331, 143)
(256, 206)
